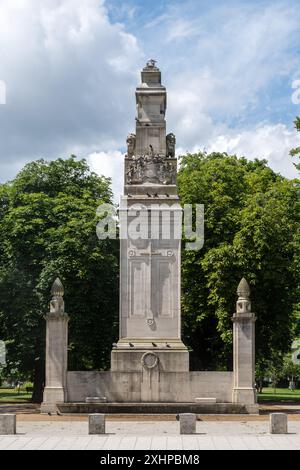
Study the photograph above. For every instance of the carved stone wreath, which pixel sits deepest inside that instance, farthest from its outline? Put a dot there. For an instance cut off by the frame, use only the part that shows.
(149, 360)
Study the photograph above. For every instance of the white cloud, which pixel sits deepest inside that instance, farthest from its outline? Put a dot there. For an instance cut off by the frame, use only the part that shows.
(263, 141)
(160, 19)
(237, 58)
(70, 77)
(71, 73)
(225, 76)
(2, 92)
(272, 142)
(109, 164)
(181, 28)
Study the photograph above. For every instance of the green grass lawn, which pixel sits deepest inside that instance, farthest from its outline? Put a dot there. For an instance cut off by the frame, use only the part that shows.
(279, 395)
(10, 395)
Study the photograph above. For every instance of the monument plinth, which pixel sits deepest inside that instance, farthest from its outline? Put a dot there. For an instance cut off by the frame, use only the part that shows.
(150, 319)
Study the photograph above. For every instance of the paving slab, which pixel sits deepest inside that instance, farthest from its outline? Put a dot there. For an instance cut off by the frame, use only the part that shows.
(59, 434)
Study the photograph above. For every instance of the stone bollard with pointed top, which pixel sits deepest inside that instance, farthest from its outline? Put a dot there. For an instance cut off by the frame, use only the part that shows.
(56, 350)
(244, 347)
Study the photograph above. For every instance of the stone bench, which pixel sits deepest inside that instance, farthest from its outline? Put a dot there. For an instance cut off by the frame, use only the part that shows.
(7, 423)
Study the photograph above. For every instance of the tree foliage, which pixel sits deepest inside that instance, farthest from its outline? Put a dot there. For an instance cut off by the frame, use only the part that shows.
(296, 151)
(251, 230)
(48, 229)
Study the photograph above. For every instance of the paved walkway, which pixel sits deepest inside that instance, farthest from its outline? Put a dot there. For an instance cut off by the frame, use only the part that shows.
(59, 433)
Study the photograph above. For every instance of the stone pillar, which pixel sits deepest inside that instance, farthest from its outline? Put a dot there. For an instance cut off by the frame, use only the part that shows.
(97, 423)
(7, 423)
(187, 423)
(56, 350)
(244, 348)
(278, 423)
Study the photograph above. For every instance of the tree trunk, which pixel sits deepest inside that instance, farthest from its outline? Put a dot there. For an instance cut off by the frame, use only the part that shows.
(38, 381)
(260, 385)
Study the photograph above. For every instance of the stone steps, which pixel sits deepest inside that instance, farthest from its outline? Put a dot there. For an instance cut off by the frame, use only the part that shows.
(153, 408)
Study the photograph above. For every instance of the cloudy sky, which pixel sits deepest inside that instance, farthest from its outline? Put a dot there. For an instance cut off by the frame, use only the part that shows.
(70, 67)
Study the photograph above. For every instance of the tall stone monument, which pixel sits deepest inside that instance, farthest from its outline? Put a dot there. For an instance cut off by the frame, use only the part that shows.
(150, 319)
(149, 363)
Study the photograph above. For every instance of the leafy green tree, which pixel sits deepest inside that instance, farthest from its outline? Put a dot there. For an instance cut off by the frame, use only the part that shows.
(296, 151)
(48, 229)
(251, 218)
(290, 370)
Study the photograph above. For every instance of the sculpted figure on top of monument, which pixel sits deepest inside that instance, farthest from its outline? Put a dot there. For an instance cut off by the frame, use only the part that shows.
(171, 141)
(130, 141)
(151, 63)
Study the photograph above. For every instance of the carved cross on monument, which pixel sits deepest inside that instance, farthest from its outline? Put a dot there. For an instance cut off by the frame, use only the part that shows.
(150, 256)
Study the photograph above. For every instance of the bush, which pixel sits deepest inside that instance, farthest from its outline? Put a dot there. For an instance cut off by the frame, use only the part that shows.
(27, 386)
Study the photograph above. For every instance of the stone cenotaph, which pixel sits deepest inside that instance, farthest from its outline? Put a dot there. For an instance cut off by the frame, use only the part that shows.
(150, 330)
(149, 363)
